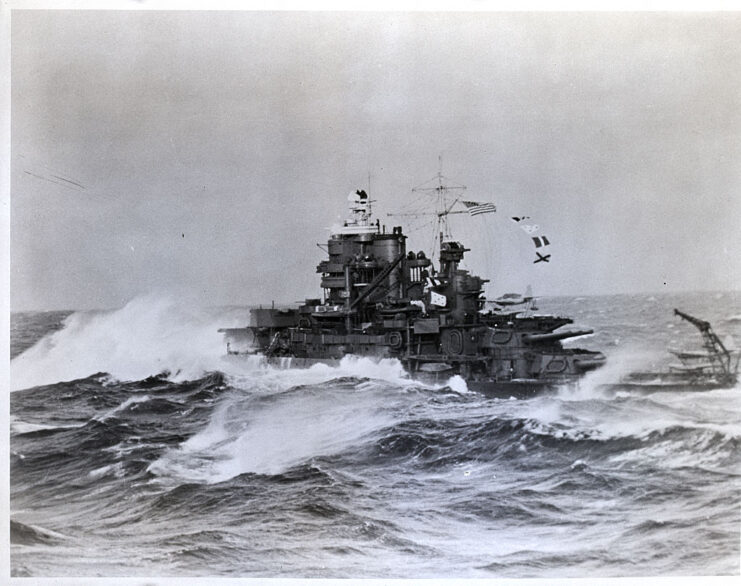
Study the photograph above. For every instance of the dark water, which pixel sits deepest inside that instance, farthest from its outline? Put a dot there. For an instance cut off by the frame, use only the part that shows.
(227, 468)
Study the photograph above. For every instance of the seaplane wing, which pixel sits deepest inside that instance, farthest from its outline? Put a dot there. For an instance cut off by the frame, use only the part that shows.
(510, 299)
(690, 354)
(515, 298)
(689, 368)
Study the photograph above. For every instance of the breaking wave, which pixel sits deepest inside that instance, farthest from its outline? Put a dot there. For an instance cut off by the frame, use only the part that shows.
(231, 467)
(148, 336)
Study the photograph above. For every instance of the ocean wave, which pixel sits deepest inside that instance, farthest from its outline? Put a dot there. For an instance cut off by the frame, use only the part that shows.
(123, 406)
(27, 534)
(18, 427)
(148, 336)
(191, 464)
(248, 431)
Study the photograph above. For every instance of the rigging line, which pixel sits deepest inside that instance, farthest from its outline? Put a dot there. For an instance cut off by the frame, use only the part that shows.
(418, 205)
(450, 207)
(415, 205)
(451, 185)
(488, 246)
(419, 228)
(435, 231)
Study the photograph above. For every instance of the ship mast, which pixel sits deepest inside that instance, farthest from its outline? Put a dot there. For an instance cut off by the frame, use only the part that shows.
(446, 193)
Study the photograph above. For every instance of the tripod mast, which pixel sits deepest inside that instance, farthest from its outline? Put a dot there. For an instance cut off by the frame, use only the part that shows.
(446, 193)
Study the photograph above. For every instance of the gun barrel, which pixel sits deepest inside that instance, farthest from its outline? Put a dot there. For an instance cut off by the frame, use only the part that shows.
(553, 336)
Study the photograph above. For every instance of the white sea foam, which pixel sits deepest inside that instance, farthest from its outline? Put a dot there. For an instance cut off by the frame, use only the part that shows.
(116, 469)
(123, 406)
(619, 364)
(19, 427)
(458, 384)
(270, 434)
(149, 335)
(244, 371)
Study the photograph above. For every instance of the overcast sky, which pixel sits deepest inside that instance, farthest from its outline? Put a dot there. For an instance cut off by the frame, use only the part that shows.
(206, 153)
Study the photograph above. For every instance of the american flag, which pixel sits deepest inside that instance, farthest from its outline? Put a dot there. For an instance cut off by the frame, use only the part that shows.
(475, 208)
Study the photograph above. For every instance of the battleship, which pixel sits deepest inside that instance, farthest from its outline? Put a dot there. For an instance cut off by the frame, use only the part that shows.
(381, 300)
(714, 366)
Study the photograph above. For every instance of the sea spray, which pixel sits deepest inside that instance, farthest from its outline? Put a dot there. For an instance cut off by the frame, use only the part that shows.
(356, 470)
(148, 336)
(267, 430)
(620, 363)
(242, 372)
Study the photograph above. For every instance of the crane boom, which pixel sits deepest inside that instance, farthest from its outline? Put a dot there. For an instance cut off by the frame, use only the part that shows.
(698, 323)
(717, 352)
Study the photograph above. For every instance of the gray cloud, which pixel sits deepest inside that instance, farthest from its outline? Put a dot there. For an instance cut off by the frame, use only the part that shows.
(215, 148)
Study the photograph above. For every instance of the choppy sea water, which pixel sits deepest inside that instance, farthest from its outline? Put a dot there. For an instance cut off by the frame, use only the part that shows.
(228, 468)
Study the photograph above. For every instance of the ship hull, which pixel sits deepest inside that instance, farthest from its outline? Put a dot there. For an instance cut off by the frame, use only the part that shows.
(663, 387)
(654, 382)
(502, 389)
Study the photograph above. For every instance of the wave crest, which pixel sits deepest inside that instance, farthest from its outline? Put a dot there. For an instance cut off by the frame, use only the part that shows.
(149, 335)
